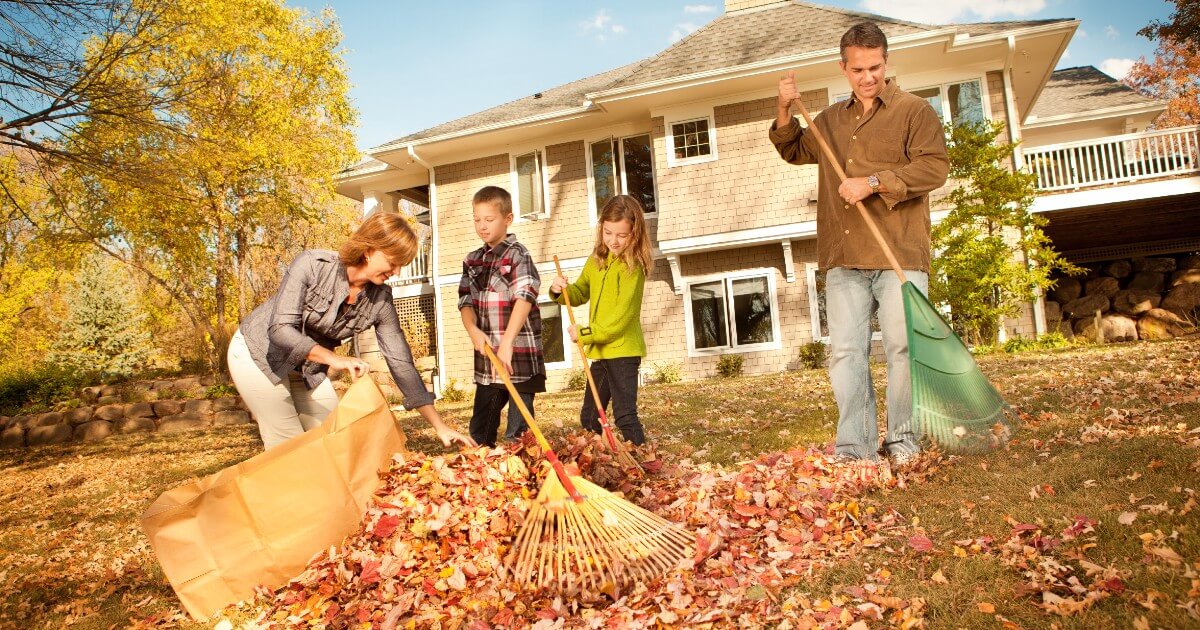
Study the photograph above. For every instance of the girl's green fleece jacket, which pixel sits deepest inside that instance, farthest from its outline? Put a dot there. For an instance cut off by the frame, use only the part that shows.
(614, 297)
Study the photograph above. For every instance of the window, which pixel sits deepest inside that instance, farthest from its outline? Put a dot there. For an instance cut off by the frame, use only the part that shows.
(957, 102)
(624, 166)
(732, 313)
(816, 302)
(691, 142)
(554, 336)
(530, 199)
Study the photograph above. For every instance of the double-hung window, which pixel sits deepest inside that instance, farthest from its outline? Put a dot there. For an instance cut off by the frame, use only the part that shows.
(956, 102)
(691, 141)
(736, 312)
(554, 336)
(529, 184)
(623, 166)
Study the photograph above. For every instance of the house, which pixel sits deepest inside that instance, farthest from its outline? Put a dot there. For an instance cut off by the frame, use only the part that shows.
(733, 226)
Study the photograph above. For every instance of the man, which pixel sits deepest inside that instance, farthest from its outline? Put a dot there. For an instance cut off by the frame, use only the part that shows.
(893, 150)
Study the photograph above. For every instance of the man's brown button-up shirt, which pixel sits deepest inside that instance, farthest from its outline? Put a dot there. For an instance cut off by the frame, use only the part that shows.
(901, 141)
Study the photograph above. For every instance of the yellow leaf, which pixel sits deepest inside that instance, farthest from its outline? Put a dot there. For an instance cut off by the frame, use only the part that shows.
(985, 607)
(939, 578)
(959, 552)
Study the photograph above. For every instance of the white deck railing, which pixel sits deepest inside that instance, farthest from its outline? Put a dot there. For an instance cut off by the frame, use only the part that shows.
(415, 271)
(1115, 159)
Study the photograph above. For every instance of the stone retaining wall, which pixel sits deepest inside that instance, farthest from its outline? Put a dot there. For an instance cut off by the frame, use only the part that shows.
(163, 407)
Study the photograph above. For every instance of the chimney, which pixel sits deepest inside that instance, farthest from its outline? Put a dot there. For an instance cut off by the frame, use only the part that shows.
(732, 6)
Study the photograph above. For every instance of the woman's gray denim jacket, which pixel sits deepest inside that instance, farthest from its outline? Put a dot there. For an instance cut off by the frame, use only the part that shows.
(305, 312)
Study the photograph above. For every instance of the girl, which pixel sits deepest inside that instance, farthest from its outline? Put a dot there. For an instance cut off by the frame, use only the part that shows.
(611, 283)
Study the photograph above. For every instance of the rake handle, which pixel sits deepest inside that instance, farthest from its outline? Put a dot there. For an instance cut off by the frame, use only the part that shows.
(587, 370)
(862, 210)
(515, 399)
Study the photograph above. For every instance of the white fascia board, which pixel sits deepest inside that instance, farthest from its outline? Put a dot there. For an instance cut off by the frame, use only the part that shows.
(529, 121)
(756, 68)
(1105, 195)
(739, 238)
(1034, 122)
(962, 43)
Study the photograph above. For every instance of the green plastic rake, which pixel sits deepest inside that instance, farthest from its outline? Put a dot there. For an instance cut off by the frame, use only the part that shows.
(954, 405)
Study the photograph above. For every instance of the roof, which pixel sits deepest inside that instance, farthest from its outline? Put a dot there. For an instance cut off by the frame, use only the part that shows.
(743, 37)
(1084, 89)
(731, 40)
(563, 97)
(977, 29)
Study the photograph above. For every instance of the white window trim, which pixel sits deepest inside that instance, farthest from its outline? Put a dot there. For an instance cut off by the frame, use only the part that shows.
(944, 89)
(733, 348)
(516, 193)
(564, 322)
(669, 137)
(622, 186)
(814, 306)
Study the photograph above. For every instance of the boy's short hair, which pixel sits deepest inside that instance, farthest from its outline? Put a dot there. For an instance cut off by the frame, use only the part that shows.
(864, 35)
(494, 194)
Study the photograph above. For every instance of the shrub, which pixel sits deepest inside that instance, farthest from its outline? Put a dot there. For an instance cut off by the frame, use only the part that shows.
(577, 380)
(452, 393)
(730, 365)
(220, 390)
(812, 355)
(668, 371)
(37, 388)
(1048, 341)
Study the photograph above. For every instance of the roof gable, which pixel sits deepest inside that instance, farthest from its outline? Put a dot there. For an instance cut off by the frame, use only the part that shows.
(1085, 89)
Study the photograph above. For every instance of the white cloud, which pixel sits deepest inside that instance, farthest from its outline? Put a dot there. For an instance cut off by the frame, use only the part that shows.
(1066, 55)
(1080, 33)
(944, 11)
(1116, 68)
(683, 29)
(601, 25)
(1111, 32)
(699, 8)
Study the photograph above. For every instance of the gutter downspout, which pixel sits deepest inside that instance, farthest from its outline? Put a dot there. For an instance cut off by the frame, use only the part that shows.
(438, 320)
(1018, 157)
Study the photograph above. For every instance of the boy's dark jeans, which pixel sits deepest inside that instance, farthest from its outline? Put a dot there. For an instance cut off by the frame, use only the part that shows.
(485, 418)
(616, 380)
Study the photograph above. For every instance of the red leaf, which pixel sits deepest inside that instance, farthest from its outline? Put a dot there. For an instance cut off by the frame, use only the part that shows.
(386, 525)
(920, 543)
(370, 572)
(749, 510)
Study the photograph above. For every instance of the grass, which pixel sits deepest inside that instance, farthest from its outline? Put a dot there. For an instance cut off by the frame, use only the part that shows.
(1108, 430)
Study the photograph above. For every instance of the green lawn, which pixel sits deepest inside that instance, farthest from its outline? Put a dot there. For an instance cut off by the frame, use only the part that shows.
(1095, 498)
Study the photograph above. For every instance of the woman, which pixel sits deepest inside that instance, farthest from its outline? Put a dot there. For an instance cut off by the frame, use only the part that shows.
(280, 355)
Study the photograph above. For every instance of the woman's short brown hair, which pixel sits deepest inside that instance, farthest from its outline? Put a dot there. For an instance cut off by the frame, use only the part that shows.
(387, 232)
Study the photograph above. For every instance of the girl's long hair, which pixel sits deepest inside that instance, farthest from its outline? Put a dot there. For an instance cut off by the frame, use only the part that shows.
(637, 253)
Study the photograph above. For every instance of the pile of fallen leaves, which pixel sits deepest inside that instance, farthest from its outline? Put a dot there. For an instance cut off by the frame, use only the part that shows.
(430, 549)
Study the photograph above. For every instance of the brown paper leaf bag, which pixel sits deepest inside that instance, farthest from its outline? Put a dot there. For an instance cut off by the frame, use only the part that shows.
(261, 521)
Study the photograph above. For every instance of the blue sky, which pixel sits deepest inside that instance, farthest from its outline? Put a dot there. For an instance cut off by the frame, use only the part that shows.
(415, 63)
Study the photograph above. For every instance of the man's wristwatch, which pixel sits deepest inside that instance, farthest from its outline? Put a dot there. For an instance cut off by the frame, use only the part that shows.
(873, 182)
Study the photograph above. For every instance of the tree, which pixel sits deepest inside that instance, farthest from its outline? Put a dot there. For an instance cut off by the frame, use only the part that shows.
(250, 151)
(992, 253)
(59, 68)
(1174, 76)
(102, 332)
(1182, 27)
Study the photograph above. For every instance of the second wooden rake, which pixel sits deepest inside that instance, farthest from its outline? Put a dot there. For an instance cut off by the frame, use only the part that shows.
(579, 538)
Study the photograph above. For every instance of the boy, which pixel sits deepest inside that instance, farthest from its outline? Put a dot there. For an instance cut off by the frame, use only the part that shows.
(497, 298)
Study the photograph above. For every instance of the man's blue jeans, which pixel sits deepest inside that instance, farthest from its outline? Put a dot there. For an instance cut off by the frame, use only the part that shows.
(851, 295)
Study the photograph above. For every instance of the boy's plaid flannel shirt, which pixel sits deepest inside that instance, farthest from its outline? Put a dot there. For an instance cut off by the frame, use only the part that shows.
(493, 279)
